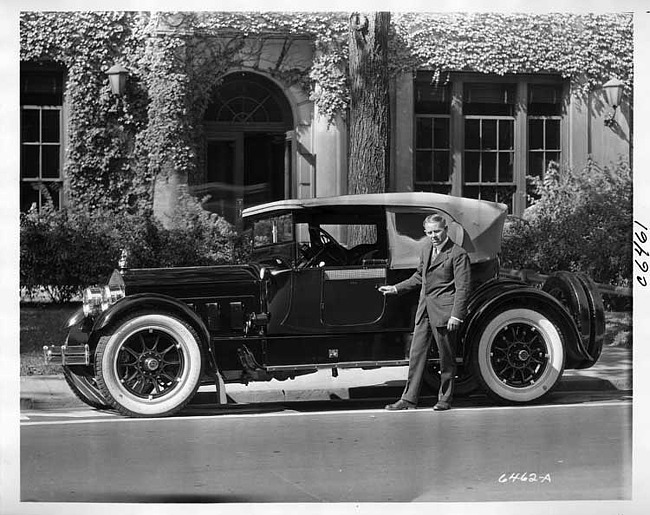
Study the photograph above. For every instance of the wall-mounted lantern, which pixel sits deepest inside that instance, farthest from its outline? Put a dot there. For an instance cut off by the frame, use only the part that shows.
(613, 94)
(117, 78)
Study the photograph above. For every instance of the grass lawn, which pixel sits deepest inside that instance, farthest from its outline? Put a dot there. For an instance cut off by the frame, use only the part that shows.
(618, 329)
(42, 324)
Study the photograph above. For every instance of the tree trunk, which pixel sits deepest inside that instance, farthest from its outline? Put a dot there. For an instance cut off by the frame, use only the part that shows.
(369, 159)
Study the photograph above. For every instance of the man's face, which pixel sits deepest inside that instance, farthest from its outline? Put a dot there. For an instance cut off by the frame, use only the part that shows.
(437, 231)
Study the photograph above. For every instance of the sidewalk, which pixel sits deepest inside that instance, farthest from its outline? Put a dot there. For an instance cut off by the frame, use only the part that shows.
(613, 371)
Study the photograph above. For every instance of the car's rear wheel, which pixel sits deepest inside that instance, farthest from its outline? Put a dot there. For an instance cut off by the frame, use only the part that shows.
(519, 354)
(149, 365)
(83, 385)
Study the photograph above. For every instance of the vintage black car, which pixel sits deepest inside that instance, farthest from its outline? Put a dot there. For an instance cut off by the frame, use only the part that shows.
(144, 343)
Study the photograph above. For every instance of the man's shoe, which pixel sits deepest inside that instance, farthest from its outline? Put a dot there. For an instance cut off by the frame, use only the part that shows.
(400, 405)
(441, 406)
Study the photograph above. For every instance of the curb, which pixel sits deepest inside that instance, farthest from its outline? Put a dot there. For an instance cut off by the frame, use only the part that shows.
(48, 392)
(571, 383)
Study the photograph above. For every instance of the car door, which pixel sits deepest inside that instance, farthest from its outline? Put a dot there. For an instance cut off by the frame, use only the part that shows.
(350, 296)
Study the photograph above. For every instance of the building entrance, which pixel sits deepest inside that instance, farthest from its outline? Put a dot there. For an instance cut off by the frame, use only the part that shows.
(247, 124)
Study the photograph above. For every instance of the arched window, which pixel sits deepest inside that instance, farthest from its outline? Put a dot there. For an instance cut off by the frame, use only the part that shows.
(247, 98)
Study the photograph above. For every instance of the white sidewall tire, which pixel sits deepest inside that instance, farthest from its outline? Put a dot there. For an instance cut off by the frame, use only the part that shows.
(555, 360)
(188, 381)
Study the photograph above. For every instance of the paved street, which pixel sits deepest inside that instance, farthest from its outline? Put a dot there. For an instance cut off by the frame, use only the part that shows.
(337, 451)
(326, 439)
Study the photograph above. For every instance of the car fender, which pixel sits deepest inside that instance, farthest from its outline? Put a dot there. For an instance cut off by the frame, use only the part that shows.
(77, 318)
(497, 293)
(153, 301)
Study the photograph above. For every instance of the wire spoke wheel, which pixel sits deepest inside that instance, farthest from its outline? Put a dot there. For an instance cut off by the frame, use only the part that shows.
(519, 354)
(150, 365)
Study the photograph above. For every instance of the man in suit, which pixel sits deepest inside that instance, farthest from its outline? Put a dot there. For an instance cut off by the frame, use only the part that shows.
(443, 277)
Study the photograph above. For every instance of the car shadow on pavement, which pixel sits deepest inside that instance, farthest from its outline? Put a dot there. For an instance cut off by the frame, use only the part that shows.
(561, 396)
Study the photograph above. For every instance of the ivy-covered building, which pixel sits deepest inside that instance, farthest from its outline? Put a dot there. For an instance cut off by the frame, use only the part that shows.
(252, 107)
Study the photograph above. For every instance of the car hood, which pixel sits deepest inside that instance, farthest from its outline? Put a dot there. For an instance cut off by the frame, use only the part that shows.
(171, 280)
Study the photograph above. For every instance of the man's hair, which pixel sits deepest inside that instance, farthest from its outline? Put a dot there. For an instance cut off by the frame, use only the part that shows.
(435, 219)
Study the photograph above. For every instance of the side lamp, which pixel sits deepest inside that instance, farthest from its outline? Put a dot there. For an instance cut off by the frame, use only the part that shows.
(613, 89)
(117, 78)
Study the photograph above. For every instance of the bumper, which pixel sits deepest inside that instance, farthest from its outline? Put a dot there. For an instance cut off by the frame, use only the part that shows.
(67, 354)
(75, 350)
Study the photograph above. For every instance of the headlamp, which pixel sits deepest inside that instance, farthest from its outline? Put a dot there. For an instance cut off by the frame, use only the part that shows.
(97, 299)
(111, 295)
(92, 301)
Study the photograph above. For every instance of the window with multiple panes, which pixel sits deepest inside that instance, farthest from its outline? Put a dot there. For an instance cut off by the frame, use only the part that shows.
(498, 131)
(41, 141)
(544, 117)
(489, 118)
(432, 136)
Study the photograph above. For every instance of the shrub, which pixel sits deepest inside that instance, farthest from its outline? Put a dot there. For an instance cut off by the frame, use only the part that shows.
(194, 237)
(63, 251)
(579, 221)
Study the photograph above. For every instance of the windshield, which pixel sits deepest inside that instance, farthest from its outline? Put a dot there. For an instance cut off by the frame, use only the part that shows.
(272, 230)
(347, 235)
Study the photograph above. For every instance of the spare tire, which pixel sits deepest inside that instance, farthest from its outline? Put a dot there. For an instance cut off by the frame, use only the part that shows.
(597, 314)
(570, 292)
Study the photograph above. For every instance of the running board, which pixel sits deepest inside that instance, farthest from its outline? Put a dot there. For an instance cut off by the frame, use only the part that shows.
(347, 364)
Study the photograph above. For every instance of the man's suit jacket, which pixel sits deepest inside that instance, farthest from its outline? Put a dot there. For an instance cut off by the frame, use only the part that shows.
(445, 288)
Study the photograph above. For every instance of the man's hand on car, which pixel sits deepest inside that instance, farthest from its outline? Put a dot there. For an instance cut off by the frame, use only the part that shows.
(388, 290)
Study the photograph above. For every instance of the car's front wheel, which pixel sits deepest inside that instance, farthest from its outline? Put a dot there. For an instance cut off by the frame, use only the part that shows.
(149, 365)
(519, 355)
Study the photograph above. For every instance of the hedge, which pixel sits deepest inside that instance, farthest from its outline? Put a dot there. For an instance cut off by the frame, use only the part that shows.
(63, 251)
(579, 220)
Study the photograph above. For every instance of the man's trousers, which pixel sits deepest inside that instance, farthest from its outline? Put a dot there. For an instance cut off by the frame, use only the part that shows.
(418, 359)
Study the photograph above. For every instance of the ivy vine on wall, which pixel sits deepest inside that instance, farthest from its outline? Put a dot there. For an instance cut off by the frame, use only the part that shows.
(117, 146)
(588, 49)
(101, 163)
